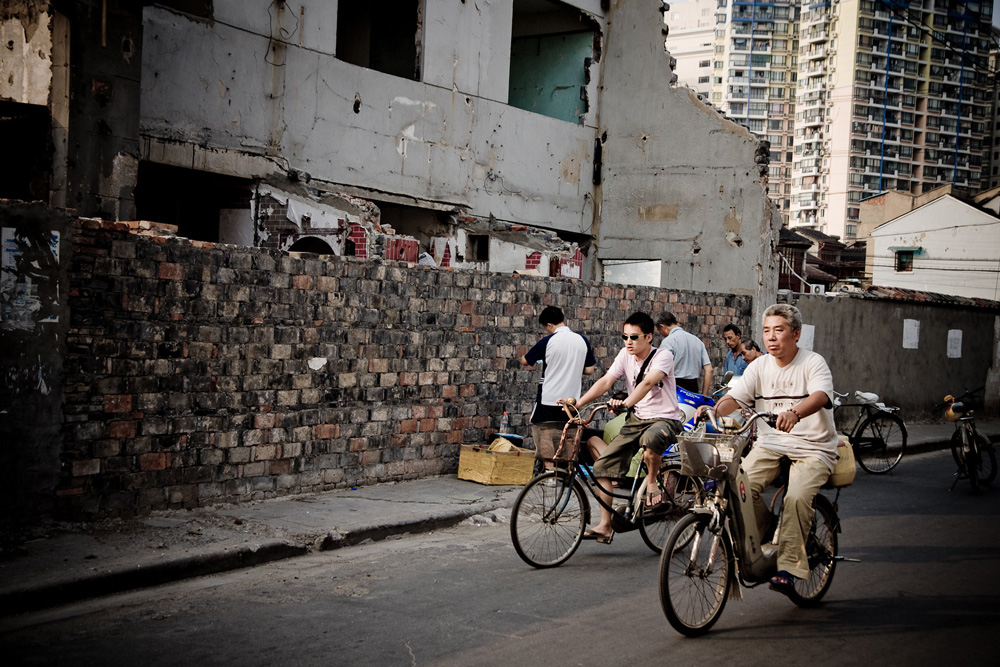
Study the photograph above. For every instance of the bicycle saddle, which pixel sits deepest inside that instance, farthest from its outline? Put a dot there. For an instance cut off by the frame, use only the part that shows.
(866, 397)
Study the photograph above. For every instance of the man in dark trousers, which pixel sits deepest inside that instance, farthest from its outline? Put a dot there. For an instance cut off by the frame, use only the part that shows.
(565, 358)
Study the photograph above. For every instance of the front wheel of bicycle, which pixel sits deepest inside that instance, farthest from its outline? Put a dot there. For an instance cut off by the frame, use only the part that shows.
(548, 519)
(680, 493)
(696, 571)
(987, 460)
(821, 550)
(880, 443)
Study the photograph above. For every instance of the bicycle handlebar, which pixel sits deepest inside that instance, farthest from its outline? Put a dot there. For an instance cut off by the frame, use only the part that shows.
(769, 418)
(949, 399)
(576, 417)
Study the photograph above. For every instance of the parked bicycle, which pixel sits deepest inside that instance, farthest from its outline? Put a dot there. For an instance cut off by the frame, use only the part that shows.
(552, 512)
(973, 452)
(718, 547)
(878, 435)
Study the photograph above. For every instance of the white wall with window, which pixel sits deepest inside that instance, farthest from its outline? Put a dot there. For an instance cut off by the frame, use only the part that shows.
(945, 246)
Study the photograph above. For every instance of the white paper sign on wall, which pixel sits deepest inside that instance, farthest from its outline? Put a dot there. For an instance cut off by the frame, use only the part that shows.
(911, 334)
(954, 343)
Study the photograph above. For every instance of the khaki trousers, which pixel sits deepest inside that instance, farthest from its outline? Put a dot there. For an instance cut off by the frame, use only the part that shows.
(546, 436)
(807, 475)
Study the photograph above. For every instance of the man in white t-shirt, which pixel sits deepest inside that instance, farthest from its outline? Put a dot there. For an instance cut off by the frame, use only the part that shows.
(796, 385)
(565, 358)
(654, 418)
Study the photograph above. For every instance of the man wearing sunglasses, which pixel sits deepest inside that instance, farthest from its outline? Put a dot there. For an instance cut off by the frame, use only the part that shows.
(654, 418)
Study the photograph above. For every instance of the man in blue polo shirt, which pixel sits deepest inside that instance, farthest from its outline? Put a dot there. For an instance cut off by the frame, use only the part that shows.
(734, 358)
(566, 357)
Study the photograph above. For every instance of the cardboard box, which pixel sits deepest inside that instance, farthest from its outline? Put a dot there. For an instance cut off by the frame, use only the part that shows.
(499, 463)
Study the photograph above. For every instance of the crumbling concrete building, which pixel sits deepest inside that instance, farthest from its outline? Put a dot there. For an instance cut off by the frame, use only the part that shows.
(514, 135)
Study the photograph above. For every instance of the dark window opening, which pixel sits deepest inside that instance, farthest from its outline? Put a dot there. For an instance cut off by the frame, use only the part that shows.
(904, 260)
(478, 249)
(552, 47)
(423, 224)
(26, 167)
(313, 245)
(380, 35)
(198, 202)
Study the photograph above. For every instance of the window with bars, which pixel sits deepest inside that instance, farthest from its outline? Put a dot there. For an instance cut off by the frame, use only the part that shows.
(904, 261)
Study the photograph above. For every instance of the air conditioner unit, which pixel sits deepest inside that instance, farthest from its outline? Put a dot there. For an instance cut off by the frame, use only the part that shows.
(817, 289)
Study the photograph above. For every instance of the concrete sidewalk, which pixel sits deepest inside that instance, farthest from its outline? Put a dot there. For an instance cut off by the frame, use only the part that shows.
(74, 562)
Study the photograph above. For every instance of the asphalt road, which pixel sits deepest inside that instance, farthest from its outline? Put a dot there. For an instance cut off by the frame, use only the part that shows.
(926, 593)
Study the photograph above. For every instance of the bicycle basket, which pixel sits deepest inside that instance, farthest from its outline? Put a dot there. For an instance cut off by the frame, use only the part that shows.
(711, 455)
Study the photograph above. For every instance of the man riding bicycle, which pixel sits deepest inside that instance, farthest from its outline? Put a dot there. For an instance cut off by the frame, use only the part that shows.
(797, 386)
(654, 418)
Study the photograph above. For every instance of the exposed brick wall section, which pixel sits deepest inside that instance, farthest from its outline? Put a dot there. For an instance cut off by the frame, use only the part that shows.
(273, 225)
(533, 260)
(401, 249)
(198, 374)
(571, 267)
(359, 237)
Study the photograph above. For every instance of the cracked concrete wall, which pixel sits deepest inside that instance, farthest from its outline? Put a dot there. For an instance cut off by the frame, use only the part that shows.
(26, 40)
(447, 139)
(680, 183)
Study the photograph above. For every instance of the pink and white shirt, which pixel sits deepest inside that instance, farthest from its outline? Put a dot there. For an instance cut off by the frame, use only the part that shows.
(661, 401)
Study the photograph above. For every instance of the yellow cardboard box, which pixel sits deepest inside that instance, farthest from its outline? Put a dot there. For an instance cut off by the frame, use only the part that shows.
(499, 463)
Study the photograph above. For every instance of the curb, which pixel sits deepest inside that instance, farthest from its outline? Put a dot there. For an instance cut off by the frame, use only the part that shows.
(33, 598)
(336, 540)
(924, 447)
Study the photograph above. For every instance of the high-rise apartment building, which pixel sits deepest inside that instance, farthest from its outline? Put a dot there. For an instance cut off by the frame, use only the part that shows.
(858, 97)
(692, 42)
(756, 65)
(906, 103)
(752, 61)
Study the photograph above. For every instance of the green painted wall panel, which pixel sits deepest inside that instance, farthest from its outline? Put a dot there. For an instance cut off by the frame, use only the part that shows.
(546, 74)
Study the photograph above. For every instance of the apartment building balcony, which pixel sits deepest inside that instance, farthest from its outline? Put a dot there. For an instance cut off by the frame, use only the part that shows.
(812, 54)
(812, 19)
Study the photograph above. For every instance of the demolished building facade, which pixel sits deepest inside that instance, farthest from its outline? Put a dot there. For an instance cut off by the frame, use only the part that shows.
(525, 135)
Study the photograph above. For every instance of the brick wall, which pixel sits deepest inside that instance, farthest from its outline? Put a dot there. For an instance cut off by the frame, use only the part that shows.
(197, 374)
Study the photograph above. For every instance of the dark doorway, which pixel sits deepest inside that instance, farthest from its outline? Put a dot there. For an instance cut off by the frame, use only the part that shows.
(190, 199)
(26, 167)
